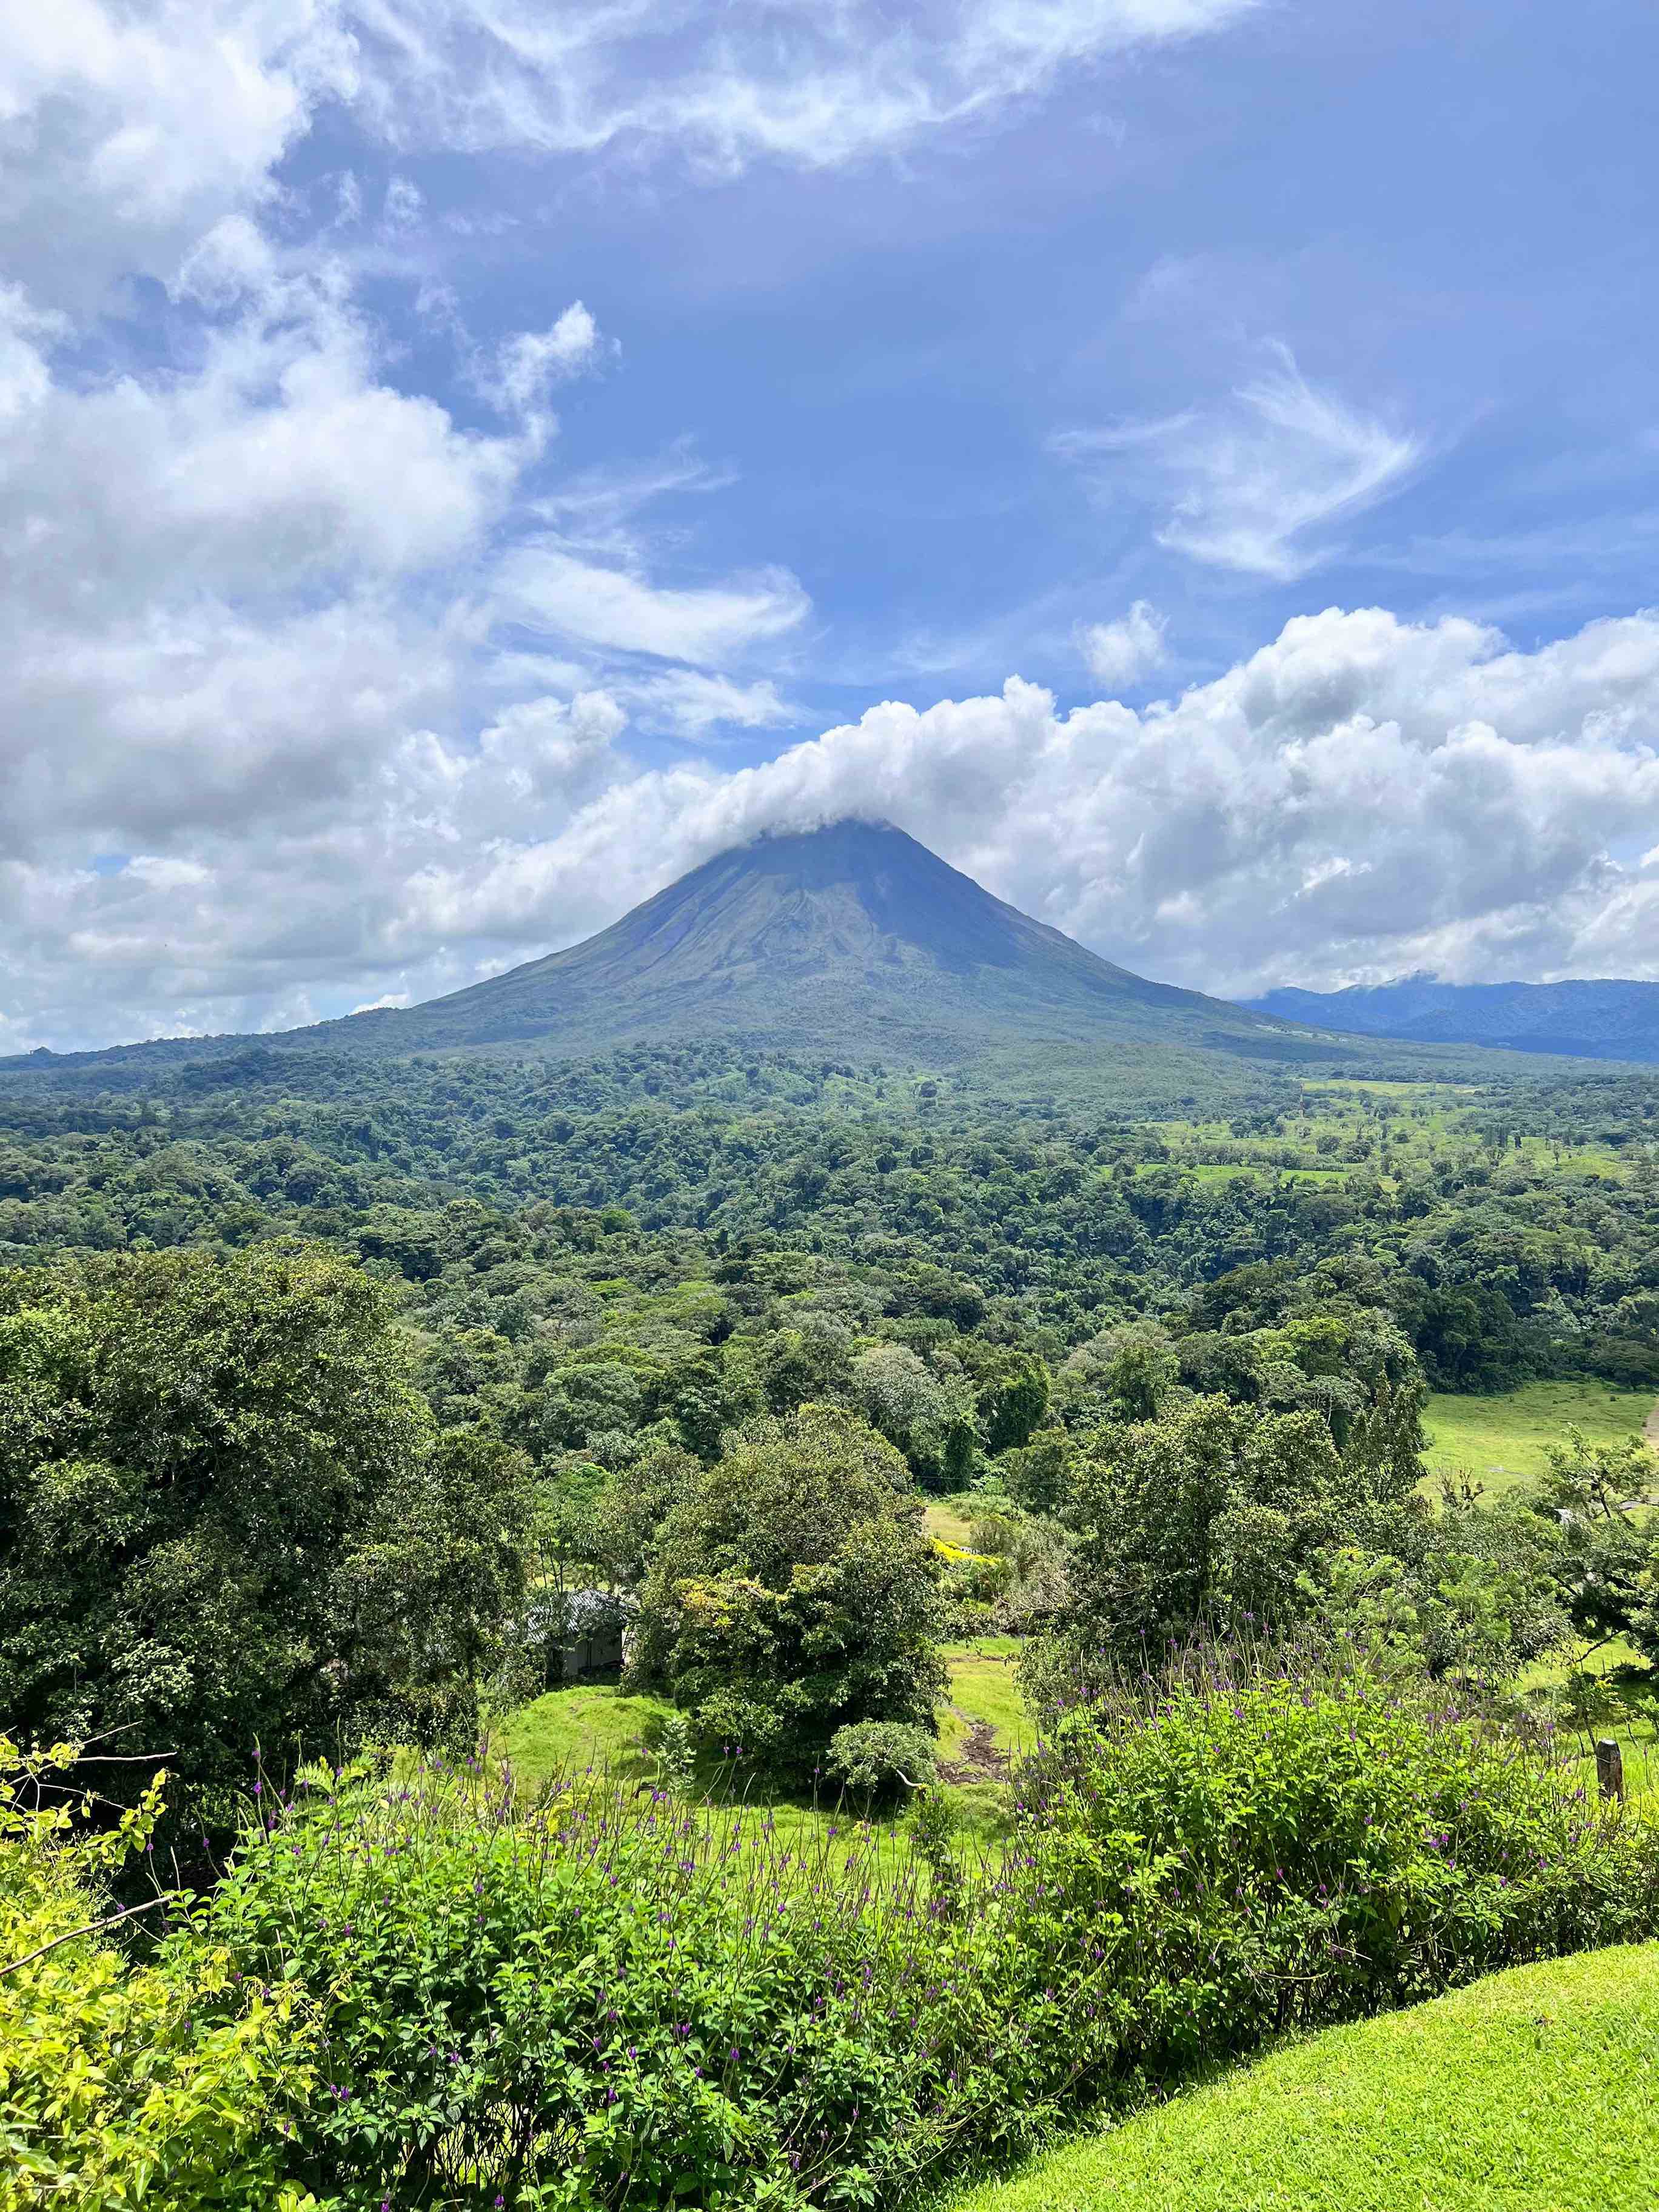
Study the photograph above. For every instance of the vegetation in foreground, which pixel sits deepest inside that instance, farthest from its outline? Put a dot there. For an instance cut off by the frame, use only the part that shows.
(908, 1434)
(609, 2001)
(1536, 2087)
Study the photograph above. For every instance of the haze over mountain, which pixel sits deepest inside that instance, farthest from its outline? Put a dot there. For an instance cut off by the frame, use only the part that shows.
(850, 939)
(1593, 1020)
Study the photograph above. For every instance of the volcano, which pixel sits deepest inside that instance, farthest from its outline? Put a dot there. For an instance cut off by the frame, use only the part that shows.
(852, 938)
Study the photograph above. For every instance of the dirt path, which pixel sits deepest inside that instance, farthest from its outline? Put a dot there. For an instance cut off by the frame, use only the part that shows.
(1651, 1428)
(978, 1759)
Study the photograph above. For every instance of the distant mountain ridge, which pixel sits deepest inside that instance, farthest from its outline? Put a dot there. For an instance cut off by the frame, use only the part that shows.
(1590, 1019)
(853, 938)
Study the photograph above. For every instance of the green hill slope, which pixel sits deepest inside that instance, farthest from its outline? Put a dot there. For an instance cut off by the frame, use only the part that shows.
(1534, 2091)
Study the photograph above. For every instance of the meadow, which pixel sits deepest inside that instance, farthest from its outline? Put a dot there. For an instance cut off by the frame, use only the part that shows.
(1502, 1440)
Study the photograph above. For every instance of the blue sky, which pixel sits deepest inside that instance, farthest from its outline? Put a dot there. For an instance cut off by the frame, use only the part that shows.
(1193, 462)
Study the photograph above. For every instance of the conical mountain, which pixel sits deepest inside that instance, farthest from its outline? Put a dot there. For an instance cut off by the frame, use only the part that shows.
(852, 938)
(849, 941)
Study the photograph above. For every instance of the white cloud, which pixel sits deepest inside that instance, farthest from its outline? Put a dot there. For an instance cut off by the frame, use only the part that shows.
(1122, 652)
(127, 131)
(1255, 484)
(1363, 796)
(548, 589)
(810, 84)
(532, 362)
(689, 702)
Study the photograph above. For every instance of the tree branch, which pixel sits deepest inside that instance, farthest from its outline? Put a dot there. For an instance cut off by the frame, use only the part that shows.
(91, 1929)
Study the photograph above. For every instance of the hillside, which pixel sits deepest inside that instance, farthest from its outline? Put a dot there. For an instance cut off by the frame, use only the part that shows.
(850, 939)
(1590, 1020)
(1533, 2088)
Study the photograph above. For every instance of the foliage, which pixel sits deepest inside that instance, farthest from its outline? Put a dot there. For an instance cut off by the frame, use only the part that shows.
(1594, 1499)
(873, 1757)
(165, 2083)
(1214, 1514)
(795, 1591)
(613, 1999)
(225, 1517)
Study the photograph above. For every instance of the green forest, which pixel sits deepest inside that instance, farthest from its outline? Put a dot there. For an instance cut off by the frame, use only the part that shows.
(711, 1627)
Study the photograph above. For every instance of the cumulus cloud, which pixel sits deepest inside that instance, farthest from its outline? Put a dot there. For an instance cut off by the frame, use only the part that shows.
(319, 695)
(126, 131)
(1124, 651)
(1360, 797)
(1255, 485)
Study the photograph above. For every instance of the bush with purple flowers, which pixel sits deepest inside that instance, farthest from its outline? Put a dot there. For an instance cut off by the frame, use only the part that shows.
(613, 2000)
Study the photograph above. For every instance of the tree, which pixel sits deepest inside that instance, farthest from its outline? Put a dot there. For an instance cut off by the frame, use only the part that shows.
(226, 1518)
(901, 1396)
(1011, 1398)
(1208, 1516)
(1596, 1500)
(795, 1591)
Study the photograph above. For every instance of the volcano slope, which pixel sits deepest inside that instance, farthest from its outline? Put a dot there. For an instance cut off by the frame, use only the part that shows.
(852, 940)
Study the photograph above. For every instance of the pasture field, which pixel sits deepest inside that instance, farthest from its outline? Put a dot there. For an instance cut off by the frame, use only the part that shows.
(1500, 1441)
(1535, 2090)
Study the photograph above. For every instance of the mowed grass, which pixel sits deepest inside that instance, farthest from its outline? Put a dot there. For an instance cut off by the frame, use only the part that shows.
(1499, 1441)
(1534, 2091)
(590, 1724)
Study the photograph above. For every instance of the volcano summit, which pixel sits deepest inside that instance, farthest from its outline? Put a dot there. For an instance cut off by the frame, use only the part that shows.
(852, 938)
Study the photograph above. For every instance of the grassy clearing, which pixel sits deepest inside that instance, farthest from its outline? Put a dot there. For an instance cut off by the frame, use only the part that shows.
(944, 1520)
(594, 1726)
(590, 1724)
(1500, 1441)
(1536, 2089)
(984, 1688)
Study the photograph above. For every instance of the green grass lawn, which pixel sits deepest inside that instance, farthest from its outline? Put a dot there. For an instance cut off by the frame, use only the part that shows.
(1534, 2091)
(589, 1724)
(1500, 1440)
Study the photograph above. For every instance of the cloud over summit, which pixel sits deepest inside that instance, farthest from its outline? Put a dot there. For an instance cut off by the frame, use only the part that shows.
(1362, 796)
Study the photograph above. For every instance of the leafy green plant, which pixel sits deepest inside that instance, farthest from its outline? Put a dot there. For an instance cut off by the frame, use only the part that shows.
(878, 1758)
(167, 2083)
(614, 1999)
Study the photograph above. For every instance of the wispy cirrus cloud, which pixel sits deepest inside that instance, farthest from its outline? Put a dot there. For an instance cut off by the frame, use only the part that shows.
(1257, 483)
(814, 85)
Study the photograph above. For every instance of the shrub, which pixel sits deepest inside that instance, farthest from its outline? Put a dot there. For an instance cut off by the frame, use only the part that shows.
(1289, 1851)
(119, 2084)
(611, 2000)
(878, 1757)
